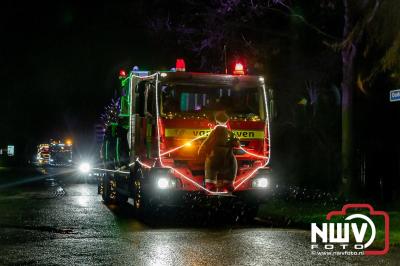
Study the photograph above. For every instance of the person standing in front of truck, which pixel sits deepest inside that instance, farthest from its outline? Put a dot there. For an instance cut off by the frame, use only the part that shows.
(218, 151)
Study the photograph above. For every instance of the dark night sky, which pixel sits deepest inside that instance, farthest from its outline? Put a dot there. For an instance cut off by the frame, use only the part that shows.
(60, 63)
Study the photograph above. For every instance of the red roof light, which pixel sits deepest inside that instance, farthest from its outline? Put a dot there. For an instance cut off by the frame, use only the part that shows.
(122, 73)
(239, 69)
(180, 65)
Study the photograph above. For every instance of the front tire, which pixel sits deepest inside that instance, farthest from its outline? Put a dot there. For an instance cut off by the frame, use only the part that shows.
(106, 190)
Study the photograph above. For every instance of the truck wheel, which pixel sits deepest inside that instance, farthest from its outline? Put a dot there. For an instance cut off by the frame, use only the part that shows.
(99, 188)
(106, 189)
(100, 185)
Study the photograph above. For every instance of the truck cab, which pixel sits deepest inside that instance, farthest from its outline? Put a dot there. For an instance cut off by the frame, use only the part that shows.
(60, 153)
(151, 152)
(43, 154)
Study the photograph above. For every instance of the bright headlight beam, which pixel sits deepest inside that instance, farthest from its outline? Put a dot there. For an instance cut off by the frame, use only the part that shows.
(85, 168)
(261, 182)
(163, 183)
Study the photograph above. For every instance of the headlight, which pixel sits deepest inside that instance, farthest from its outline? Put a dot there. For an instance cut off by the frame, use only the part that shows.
(166, 182)
(163, 182)
(260, 182)
(85, 168)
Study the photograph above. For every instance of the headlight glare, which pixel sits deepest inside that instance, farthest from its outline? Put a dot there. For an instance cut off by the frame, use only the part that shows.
(163, 182)
(85, 168)
(260, 182)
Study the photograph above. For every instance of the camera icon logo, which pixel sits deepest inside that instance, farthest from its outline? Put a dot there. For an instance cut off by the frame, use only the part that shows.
(336, 235)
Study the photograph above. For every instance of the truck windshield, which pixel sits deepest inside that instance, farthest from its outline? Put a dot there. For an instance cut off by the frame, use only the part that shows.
(240, 103)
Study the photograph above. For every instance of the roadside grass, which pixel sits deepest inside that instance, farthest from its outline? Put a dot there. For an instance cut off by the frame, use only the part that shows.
(299, 214)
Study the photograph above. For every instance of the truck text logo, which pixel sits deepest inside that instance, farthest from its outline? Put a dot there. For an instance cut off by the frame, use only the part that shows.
(193, 133)
(197, 133)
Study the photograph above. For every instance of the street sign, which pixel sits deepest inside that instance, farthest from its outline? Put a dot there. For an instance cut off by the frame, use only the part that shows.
(10, 150)
(395, 95)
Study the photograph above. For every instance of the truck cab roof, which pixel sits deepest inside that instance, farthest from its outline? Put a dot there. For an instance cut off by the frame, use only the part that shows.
(197, 78)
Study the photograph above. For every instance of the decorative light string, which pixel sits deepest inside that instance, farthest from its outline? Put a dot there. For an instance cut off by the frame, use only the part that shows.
(190, 141)
(186, 144)
(109, 170)
(253, 154)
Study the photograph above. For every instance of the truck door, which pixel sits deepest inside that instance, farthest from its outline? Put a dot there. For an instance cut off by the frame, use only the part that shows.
(145, 137)
(150, 124)
(140, 120)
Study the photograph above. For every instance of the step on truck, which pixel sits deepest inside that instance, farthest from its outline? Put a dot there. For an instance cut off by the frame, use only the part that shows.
(150, 150)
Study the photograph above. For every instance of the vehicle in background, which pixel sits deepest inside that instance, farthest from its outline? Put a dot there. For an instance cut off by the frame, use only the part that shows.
(54, 153)
(43, 154)
(60, 153)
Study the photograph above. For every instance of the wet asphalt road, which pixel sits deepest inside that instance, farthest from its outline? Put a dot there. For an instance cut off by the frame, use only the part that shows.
(65, 222)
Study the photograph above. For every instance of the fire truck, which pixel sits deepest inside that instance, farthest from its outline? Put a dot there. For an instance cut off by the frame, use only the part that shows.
(150, 153)
(43, 154)
(60, 153)
(55, 153)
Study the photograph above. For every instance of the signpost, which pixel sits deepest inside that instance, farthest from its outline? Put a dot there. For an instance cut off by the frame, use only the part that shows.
(395, 95)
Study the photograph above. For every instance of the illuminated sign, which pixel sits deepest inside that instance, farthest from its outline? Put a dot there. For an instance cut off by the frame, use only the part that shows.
(10, 150)
(395, 95)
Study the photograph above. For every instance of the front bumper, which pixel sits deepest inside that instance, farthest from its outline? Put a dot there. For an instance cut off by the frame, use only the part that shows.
(180, 198)
(176, 195)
